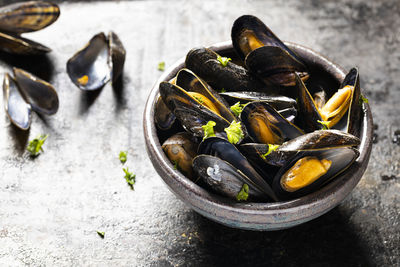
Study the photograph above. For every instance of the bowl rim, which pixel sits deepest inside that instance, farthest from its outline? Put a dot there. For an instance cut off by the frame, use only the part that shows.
(257, 216)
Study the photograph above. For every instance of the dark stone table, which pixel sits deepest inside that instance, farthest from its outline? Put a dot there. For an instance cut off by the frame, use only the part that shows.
(52, 206)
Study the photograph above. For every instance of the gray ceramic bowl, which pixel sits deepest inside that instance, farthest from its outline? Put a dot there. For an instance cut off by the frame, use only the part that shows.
(260, 216)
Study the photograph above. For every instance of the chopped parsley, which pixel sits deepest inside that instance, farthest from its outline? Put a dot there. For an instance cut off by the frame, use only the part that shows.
(243, 194)
(271, 148)
(35, 145)
(176, 164)
(325, 124)
(208, 129)
(129, 177)
(363, 99)
(222, 90)
(161, 66)
(234, 132)
(237, 108)
(123, 156)
(199, 99)
(101, 234)
(223, 60)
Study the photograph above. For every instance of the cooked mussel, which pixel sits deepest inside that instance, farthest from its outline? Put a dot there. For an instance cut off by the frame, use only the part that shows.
(100, 61)
(232, 77)
(309, 170)
(265, 125)
(27, 92)
(163, 116)
(181, 148)
(264, 53)
(19, 18)
(224, 178)
(224, 150)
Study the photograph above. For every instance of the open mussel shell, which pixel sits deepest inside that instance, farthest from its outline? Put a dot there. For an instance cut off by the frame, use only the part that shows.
(18, 111)
(117, 54)
(277, 101)
(224, 178)
(89, 68)
(221, 148)
(181, 148)
(232, 77)
(163, 116)
(191, 113)
(12, 43)
(28, 16)
(40, 94)
(309, 170)
(265, 125)
(257, 153)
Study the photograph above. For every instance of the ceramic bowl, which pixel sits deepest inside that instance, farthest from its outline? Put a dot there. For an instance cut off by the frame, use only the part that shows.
(260, 216)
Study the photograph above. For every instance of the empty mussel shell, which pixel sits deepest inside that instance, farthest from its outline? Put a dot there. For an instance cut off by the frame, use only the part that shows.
(16, 44)
(101, 60)
(40, 94)
(18, 111)
(224, 178)
(309, 170)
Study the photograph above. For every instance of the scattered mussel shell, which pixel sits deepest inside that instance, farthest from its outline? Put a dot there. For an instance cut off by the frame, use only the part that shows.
(25, 17)
(100, 61)
(224, 178)
(309, 170)
(224, 150)
(232, 77)
(181, 148)
(25, 93)
(264, 53)
(265, 125)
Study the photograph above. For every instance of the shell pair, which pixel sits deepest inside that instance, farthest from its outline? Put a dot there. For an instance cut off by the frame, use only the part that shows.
(25, 92)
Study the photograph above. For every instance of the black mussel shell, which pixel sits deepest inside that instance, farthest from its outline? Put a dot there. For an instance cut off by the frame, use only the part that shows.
(16, 44)
(28, 16)
(18, 111)
(117, 54)
(334, 162)
(265, 125)
(320, 99)
(232, 77)
(221, 148)
(224, 178)
(40, 94)
(89, 68)
(277, 101)
(258, 153)
(163, 116)
(181, 148)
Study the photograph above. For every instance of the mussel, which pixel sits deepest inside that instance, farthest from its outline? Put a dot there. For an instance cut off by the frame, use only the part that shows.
(19, 18)
(265, 54)
(25, 93)
(221, 148)
(100, 61)
(196, 104)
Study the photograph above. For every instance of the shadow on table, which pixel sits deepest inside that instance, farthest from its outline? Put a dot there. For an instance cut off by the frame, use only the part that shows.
(327, 241)
(20, 138)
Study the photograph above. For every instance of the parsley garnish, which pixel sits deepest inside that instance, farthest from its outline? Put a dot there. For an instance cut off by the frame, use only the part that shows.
(222, 90)
(243, 193)
(35, 146)
(101, 234)
(223, 60)
(208, 129)
(123, 156)
(363, 99)
(199, 99)
(129, 177)
(161, 66)
(271, 148)
(325, 124)
(234, 132)
(176, 164)
(237, 108)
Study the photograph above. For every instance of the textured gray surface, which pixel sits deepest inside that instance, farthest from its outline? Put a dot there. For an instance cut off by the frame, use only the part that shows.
(51, 207)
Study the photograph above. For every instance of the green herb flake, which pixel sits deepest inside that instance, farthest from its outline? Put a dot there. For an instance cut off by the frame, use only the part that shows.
(237, 108)
(243, 194)
(223, 60)
(123, 156)
(234, 132)
(35, 146)
(129, 177)
(271, 148)
(161, 66)
(222, 90)
(208, 129)
(176, 164)
(325, 124)
(101, 234)
(199, 99)
(363, 99)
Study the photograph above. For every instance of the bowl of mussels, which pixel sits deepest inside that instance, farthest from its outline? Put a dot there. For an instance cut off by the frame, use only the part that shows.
(256, 133)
